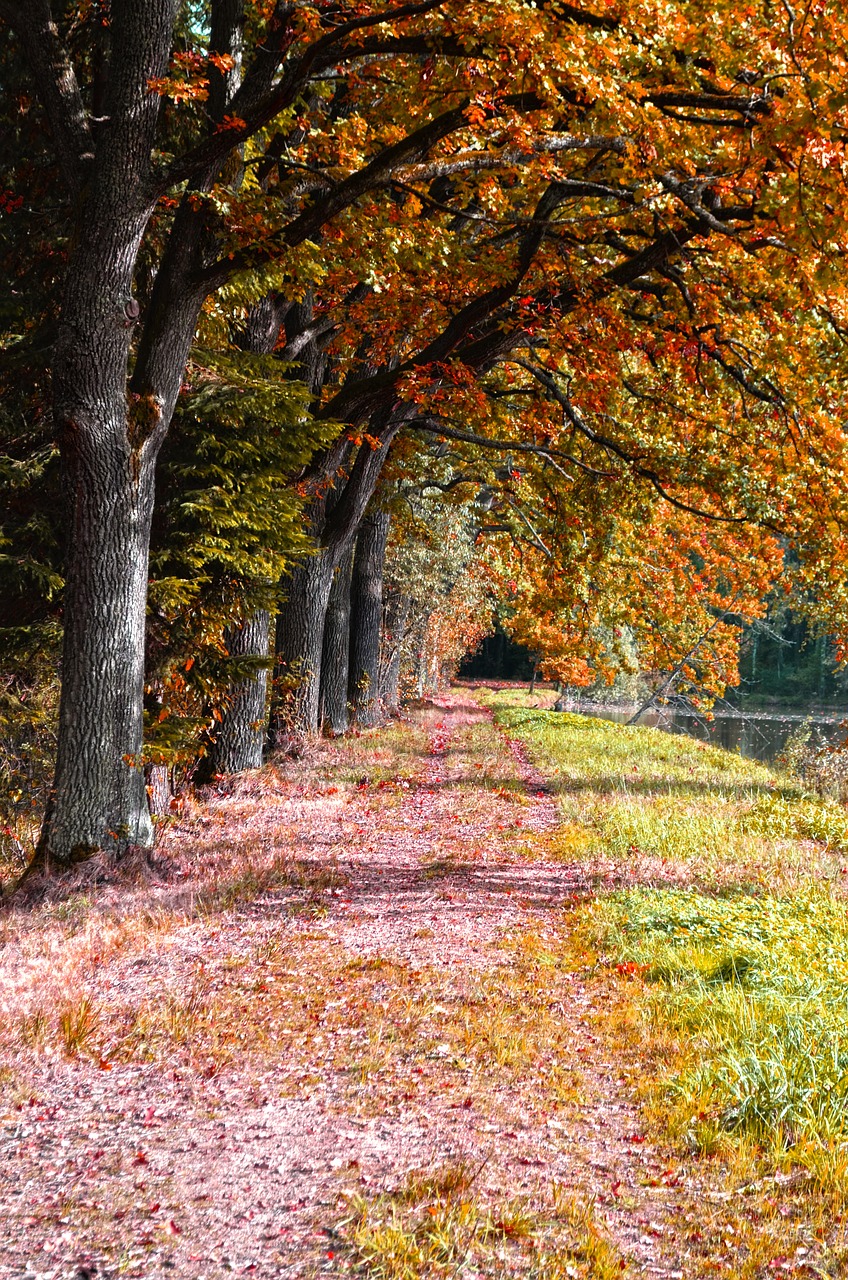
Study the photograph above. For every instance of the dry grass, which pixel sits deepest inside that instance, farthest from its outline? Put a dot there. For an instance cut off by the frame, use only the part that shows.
(236, 968)
(716, 953)
(434, 1224)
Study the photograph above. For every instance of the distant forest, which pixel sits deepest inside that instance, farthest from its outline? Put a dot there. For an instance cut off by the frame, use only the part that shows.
(781, 660)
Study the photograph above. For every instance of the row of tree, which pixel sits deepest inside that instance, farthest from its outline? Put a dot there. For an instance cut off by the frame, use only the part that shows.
(282, 274)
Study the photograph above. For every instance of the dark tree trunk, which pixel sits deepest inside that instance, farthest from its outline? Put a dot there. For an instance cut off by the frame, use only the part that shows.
(334, 660)
(300, 640)
(108, 447)
(100, 798)
(334, 520)
(394, 633)
(366, 618)
(241, 735)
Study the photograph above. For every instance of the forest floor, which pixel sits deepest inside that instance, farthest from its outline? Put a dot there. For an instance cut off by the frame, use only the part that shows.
(356, 1016)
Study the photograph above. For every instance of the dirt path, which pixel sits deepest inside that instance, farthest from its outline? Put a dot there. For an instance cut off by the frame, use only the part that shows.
(190, 1163)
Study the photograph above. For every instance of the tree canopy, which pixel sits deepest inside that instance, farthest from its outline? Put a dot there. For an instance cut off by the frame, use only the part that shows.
(575, 269)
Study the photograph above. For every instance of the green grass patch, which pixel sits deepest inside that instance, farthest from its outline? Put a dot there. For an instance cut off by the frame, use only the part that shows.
(631, 796)
(757, 987)
(727, 909)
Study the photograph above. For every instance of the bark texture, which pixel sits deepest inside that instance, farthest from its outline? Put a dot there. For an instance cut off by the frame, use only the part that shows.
(335, 715)
(239, 742)
(300, 641)
(366, 618)
(395, 628)
(157, 778)
(100, 799)
(108, 453)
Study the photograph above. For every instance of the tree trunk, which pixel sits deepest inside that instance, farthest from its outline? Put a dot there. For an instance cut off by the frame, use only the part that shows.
(334, 660)
(157, 778)
(420, 659)
(334, 520)
(108, 445)
(241, 736)
(366, 617)
(300, 641)
(100, 798)
(394, 630)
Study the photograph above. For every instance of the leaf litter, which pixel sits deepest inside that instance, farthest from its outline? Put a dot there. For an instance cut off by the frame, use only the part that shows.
(343, 978)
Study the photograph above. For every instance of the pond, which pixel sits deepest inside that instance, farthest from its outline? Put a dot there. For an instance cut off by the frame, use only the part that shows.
(759, 735)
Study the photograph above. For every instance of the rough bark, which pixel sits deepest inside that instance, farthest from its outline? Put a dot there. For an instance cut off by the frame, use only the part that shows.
(108, 454)
(300, 640)
(334, 711)
(241, 735)
(110, 434)
(395, 627)
(157, 779)
(99, 793)
(366, 617)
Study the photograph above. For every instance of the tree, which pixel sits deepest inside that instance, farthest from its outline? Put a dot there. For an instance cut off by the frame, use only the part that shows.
(227, 524)
(335, 657)
(366, 617)
(438, 583)
(435, 196)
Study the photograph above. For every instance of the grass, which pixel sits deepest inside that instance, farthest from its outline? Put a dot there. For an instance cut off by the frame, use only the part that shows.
(641, 805)
(78, 1025)
(720, 927)
(758, 986)
(435, 1224)
(709, 966)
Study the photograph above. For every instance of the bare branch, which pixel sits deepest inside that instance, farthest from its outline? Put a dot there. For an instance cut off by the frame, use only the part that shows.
(440, 428)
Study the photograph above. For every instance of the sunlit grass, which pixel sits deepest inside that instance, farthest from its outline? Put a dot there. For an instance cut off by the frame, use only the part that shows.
(758, 986)
(721, 912)
(649, 805)
(436, 1223)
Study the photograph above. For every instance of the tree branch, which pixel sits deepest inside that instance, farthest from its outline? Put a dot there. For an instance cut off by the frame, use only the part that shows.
(439, 428)
(658, 693)
(257, 103)
(646, 473)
